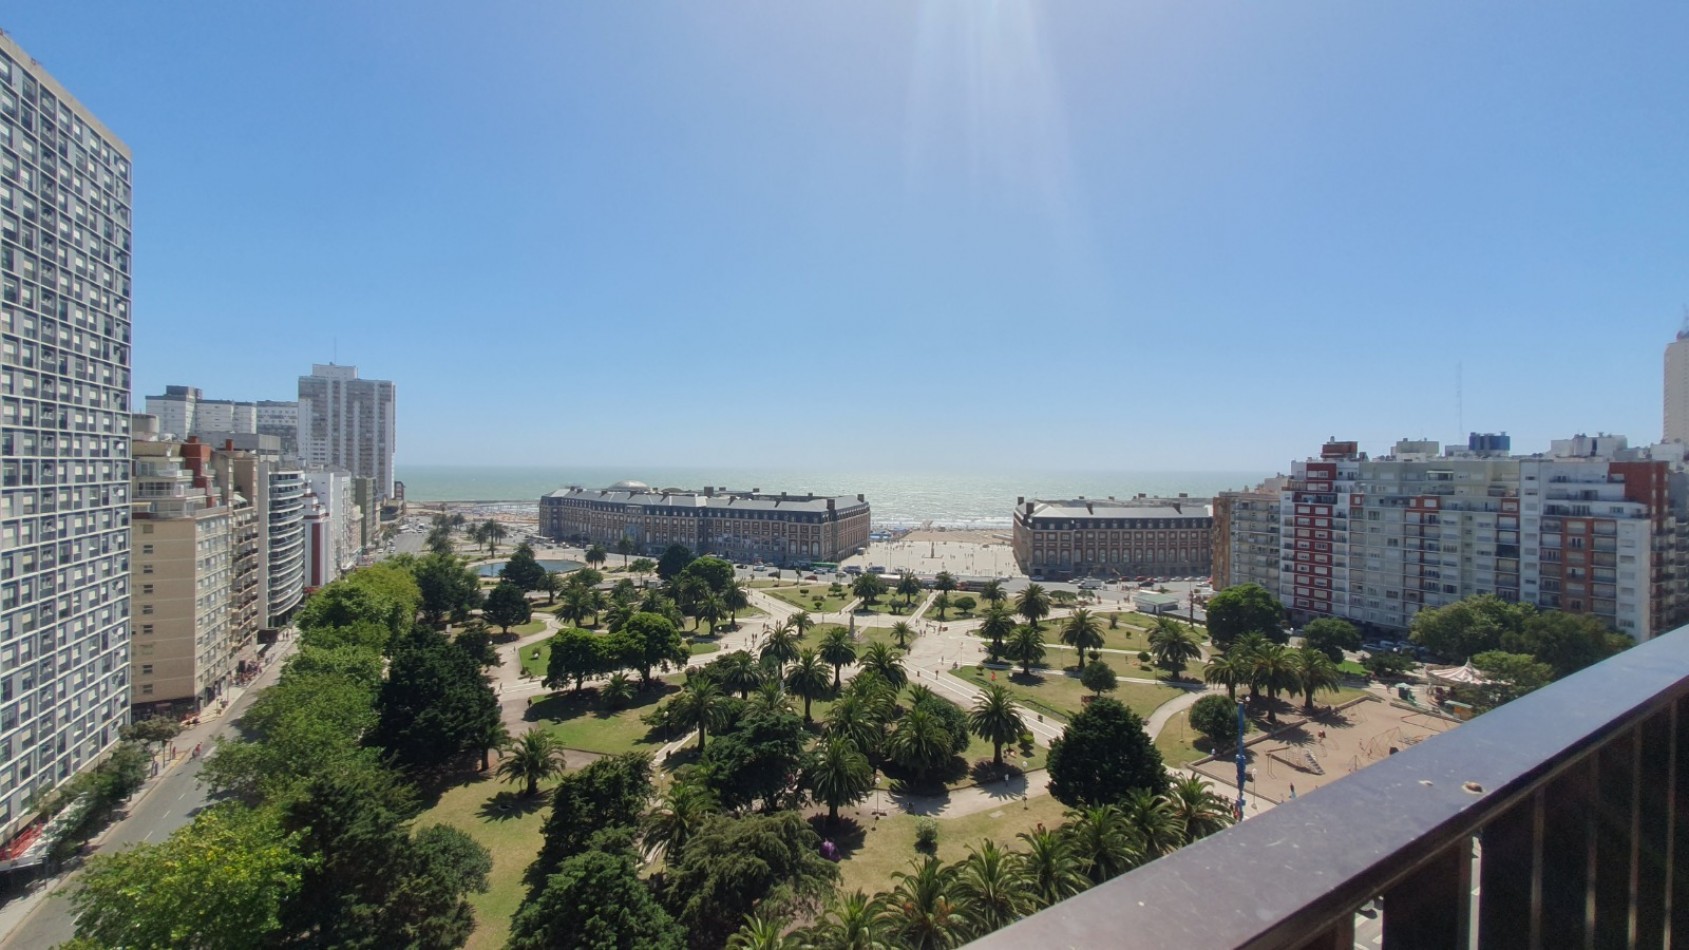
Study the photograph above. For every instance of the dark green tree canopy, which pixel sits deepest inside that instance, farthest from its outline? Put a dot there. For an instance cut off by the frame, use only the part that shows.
(1331, 636)
(449, 590)
(1216, 718)
(731, 866)
(673, 560)
(715, 573)
(523, 569)
(435, 705)
(1102, 756)
(610, 793)
(758, 762)
(1245, 608)
(575, 655)
(507, 607)
(595, 900)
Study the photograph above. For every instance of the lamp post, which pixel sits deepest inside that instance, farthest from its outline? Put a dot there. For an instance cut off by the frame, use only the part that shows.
(1242, 762)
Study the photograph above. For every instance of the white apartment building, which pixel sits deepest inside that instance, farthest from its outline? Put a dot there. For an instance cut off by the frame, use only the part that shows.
(252, 464)
(280, 419)
(1677, 387)
(1591, 527)
(65, 251)
(333, 527)
(348, 423)
(184, 411)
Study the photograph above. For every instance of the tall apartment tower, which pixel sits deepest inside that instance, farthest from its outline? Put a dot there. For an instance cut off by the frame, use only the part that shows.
(64, 385)
(347, 423)
(1677, 386)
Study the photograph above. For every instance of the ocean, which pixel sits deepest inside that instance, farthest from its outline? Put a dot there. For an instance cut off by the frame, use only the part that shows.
(952, 500)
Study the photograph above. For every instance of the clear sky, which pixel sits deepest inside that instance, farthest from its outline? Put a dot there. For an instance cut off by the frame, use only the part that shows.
(1178, 235)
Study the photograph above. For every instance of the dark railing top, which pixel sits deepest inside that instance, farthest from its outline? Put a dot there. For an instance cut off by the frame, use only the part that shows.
(1281, 877)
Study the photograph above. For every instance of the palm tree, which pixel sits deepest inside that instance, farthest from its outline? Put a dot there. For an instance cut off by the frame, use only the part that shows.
(1230, 669)
(880, 659)
(1172, 644)
(711, 608)
(801, 622)
(758, 933)
(857, 720)
(596, 556)
(780, 647)
(995, 719)
(998, 624)
(908, 585)
(579, 603)
(1196, 808)
(770, 697)
(838, 651)
(992, 592)
(992, 886)
(941, 603)
(1316, 672)
(682, 810)
(807, 677)
(919, 742)
(738, 672)
(532, 758)
(624, 547)
(440, 541)
(1026, 647)
(839, 775)
(551, 584)
(921, 912)
(1033, 604)
(1102, 841)
(491, 533)
(1082, 632)
(617, 691)
(735, 598)
(1153, 824)
(869, 587)
(902, 633)
(849, 924)
(1274, 671)
(1049, 867)
(701, 705)
(456, 521)
(944, 582)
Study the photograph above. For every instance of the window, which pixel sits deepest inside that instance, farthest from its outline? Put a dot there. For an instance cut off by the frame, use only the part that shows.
(146, 669)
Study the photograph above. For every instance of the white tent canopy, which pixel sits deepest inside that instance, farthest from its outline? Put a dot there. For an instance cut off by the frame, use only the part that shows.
(1459, 676)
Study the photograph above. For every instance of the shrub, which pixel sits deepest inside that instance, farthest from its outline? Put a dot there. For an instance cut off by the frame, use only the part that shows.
(1216, 718)
(926, 835)
(1143, 656)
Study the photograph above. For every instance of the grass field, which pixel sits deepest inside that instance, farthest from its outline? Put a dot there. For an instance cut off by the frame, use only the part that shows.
(804, 597)
(875, 850)
(508, 826)
(889, 605)
(580, 721)
(1053, 693)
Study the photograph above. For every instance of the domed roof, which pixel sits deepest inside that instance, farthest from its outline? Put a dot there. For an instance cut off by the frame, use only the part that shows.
(629, 486)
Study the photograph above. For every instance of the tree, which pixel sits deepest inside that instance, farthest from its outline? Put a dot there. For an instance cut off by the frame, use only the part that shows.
(759, 933)
(642, 566)
(922, 911)
(1033, 604)
(966, 604)
(1099, 678)
(769, 864)
(522, 569)
(1103, 754)
(683, 809)
(944, 582)
(1103, 841)
(837, 651)
(992, 886)
(596, 556)
(1082, 632)
(435, 704)
(533, 758)
(1388, 664)
(439, 541)
(1273, 671)
(607, 795)
(447, 589)
(1331, 636)
(154, 731)
(800, 622)
(1510, 676)
(919, 742)
(869, 587)
(218, 882)
(879, 659)
(653, 641)
(838, 775)
(617, 691)
(673, 560)
(579, 603)
(1196, 809)
(992, 593)
(625, 546)
(575, 654)
(711, 608)
(850, 924)
(735, 598)
(1026, 647)
(757, 762)
(807, 679)
(701, 705)
(1216, 718)
(714, 572)
(596, 900)
(349, 604)
(1314, 672)
(858, 719)
(552, 585)
(941, 603)
(998, 623)
(507, 607)
(1468, 626)
(1245, 608)
(908, 585)
(1567, 642)
(738, 672)
(1049, 867)
(902, 633)
(779, 647)
(491, 533)
(1173, 645)
(995, 719)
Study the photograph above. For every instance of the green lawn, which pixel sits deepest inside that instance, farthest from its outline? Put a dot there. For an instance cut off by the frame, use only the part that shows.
(580, 721)
(864, 636)
(526, 629)
(890, 605)
(875, 850)
(804, 597)
(699, 647)
(1053, 693)
(508, 826)
(535, 657)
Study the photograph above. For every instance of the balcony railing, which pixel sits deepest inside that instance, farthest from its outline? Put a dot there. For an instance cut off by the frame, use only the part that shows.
(1558, 820)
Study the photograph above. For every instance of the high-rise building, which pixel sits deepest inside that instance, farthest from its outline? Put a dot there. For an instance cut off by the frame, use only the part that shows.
(280, 419)
(1677, 386)
(1246, 536)
(64, 385)
(347, 423)
(276, 487)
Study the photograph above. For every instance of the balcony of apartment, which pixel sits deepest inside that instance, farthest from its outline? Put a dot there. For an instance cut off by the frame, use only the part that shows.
(1552, 821)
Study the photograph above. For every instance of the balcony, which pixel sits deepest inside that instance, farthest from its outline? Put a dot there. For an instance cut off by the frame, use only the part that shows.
(1551, 821)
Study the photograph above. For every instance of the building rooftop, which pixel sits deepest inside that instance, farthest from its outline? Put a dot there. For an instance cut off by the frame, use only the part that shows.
(1111, 508)
(637, 493)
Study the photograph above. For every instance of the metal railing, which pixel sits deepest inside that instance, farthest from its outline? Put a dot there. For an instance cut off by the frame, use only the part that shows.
(1552, 821)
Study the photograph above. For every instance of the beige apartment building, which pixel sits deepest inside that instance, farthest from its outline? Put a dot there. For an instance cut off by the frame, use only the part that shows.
(194, 576)
(1134, 537)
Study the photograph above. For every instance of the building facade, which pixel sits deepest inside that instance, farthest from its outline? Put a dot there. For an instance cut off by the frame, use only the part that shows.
(333, 527)
(252, 464)
(280, 419)
(65, 251)
(1136, 537)
(738, 525)
(348, 423)
(1677, 387)
(1245, 538)
(1591, 527)
(184, 411)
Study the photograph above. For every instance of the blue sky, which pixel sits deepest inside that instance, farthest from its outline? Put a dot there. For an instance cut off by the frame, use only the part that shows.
(893, 235)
